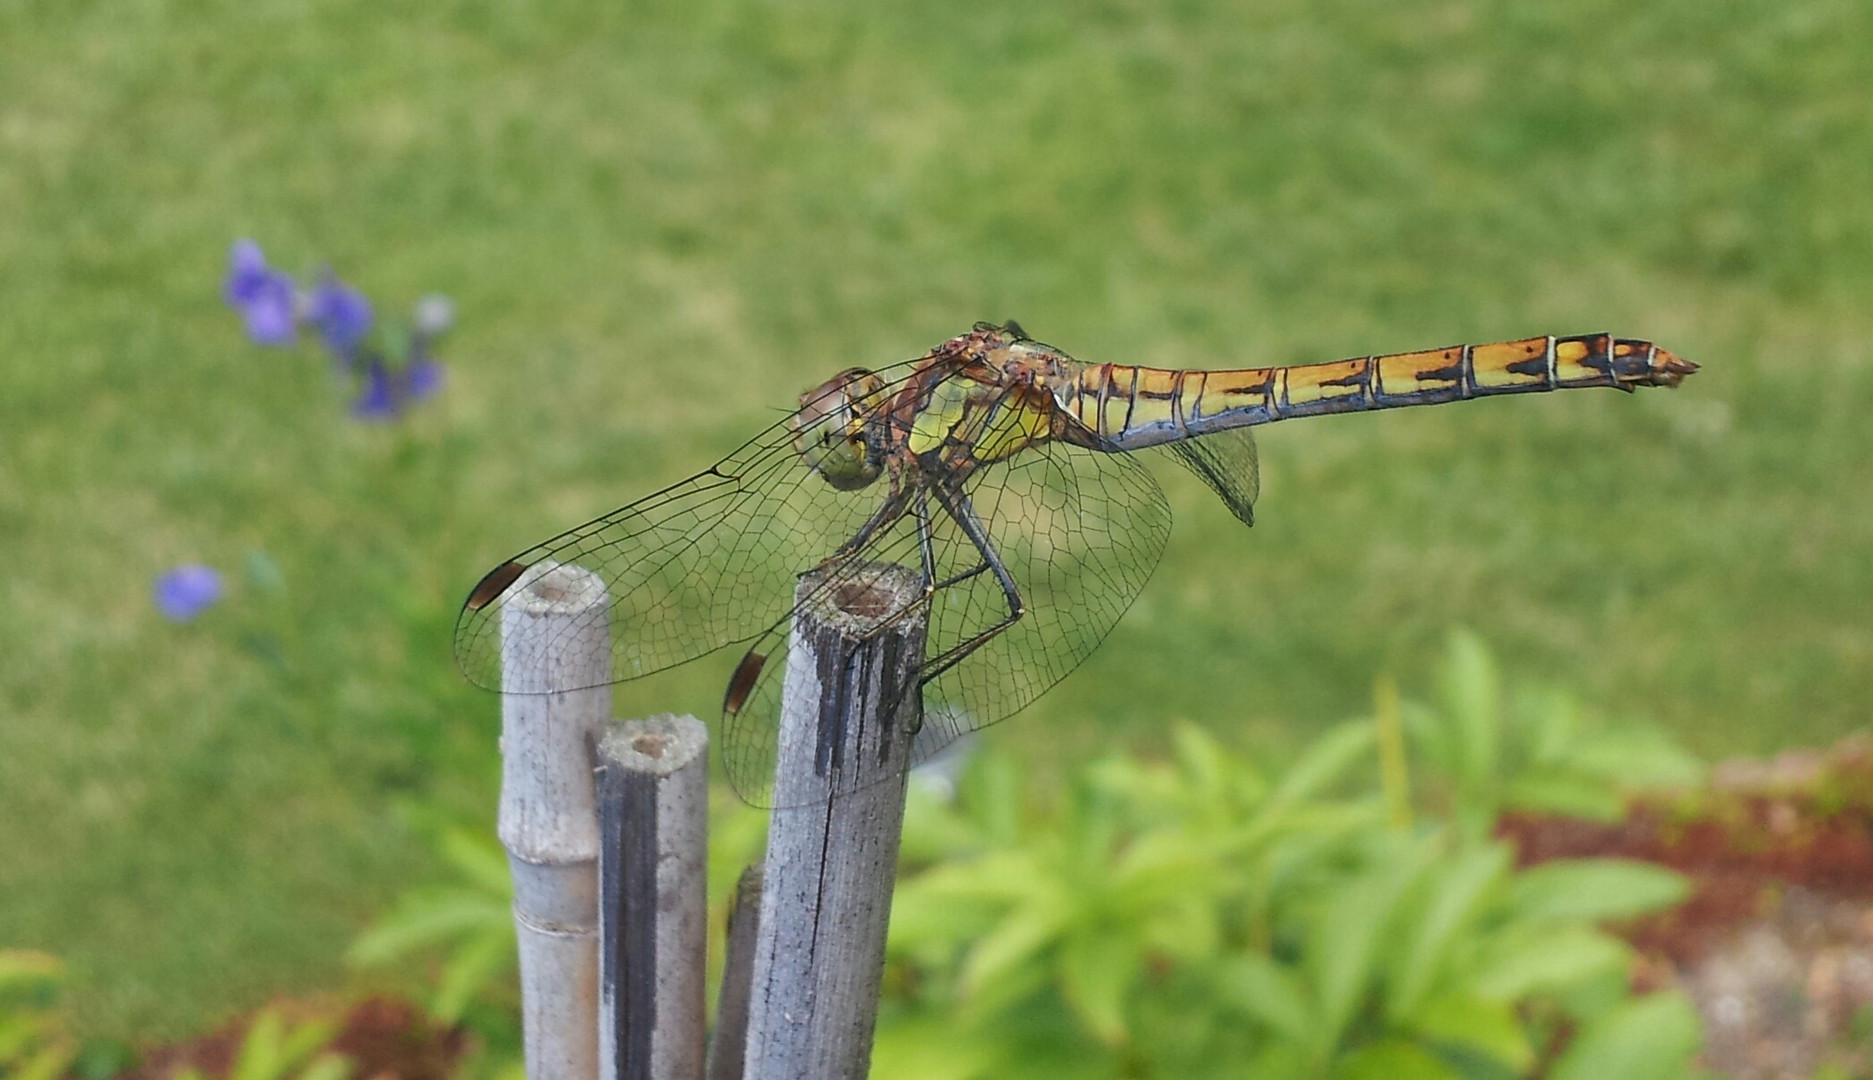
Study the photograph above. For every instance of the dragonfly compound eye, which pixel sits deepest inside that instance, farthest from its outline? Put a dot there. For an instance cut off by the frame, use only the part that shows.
(830, 430)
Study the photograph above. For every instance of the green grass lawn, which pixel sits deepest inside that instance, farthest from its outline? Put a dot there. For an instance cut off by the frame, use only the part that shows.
(661, 221)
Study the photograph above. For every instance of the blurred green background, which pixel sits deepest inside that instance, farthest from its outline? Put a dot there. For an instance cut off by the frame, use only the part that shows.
(661, 221)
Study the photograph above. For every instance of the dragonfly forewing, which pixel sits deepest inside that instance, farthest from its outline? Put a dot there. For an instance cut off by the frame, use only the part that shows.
(704, 563)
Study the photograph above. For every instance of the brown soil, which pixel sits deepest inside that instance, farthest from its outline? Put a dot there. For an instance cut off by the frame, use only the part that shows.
(1775, 944)
(384, 1038)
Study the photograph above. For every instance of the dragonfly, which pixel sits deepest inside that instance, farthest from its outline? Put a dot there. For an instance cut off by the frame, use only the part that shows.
(1004, 472)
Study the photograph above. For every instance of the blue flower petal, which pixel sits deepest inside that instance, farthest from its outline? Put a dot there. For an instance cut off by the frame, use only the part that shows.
(247, 273)
(186, 591)
(378, 400)
(269, 314)
(422, 379)
(341, 313)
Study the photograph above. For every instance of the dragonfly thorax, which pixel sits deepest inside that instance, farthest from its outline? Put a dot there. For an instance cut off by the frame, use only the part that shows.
(832, 433)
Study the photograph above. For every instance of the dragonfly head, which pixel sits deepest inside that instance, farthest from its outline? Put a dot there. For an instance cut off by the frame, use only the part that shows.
(831, 430)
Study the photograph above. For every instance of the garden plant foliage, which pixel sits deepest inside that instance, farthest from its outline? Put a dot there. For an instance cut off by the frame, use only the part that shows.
(1201, 916)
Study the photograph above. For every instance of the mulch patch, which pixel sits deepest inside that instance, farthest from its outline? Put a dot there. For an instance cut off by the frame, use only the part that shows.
(1775, 943)
(383, 1037)
(1804, 819)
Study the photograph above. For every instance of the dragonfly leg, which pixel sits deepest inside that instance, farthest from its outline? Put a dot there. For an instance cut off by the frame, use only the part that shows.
(892, 509)
(981, 568)
(965, 516)
(926, 544)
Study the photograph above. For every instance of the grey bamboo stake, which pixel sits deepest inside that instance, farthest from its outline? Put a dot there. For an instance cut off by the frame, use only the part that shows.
(833, 840)
(653, 807)
(554, 632)
(729, 1044)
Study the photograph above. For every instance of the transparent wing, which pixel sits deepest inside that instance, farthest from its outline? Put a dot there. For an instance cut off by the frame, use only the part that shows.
(1227, 462)
(701, 564)
(1079, 531)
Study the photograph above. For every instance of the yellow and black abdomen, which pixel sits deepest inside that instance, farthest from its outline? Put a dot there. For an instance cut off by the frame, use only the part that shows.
(1133, 407)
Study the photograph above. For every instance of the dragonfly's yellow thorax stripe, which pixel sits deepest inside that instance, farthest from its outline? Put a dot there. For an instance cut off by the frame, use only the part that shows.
(991, 423)
(1017, 423)
(949, 402)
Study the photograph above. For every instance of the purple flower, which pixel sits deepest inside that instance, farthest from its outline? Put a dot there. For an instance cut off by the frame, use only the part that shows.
(247, 273)
(422, 378)
(379, 399)
(342, 315)
(263, 295)
(187, 591)
(388, 390)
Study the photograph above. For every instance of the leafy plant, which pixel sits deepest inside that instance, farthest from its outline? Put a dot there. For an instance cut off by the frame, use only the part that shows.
(1492, 748)
(34, 1041)
(1199, 918)
(471, 920)
(275, 1049)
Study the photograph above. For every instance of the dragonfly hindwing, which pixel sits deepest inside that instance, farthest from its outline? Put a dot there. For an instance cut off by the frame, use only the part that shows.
(1226, 461)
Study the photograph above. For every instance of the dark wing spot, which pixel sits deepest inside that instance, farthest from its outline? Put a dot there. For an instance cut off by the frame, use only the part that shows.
(494, 584)
(741, 684)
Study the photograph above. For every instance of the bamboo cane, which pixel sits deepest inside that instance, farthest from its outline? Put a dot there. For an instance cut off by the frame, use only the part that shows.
(555, 632)
(833, 839)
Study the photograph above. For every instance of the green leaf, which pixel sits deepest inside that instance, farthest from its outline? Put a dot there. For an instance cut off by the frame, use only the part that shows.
(49, 1063)
(470, 969)
(1548, 722)
(1471, 696)
(1164, 863)
(928, 1049)
(1016, 941)
(304, 1041)
(1567, 795)
(260, 1057)
(1595, 889)
(1491, 1027)
(1456, 891)
(1183, 928)
(1199, 755)
(20, 1029)
(327, 1067)
(927, 919)
(29, 970)
(427, 919)
(1533, 958)
(1325, 761)
(1266, 991)
(1648, 1038)
(1637, 756)
(1394, 1060)
(1097, 970)
(1344, 944)
(1003, 876)
(271, 1049)
(481, 860)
